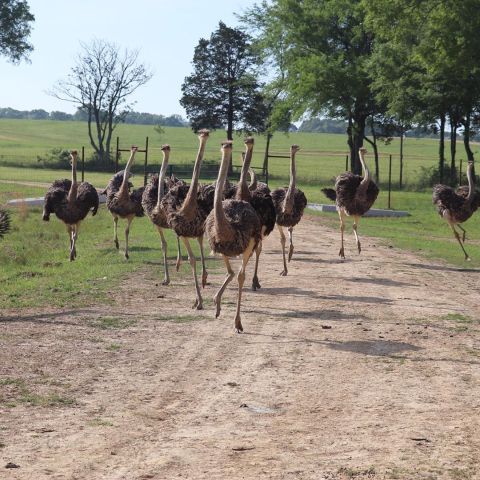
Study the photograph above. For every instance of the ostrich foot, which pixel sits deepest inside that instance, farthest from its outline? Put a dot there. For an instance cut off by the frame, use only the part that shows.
(72, 257)
(204, 278)
(359, 248)
(255, 283)
(341, 253)
(178, 263)
(166, 282)
(283, 273)
(290, 253)
(126, 255)
(238, 324)
(198, 305)
(467, 258)
(117, 246)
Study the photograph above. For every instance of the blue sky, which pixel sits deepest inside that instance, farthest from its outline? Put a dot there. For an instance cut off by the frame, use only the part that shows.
(165, 31)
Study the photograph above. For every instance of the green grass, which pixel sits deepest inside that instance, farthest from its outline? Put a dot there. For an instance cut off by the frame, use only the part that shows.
(35, 270)
(321, 158)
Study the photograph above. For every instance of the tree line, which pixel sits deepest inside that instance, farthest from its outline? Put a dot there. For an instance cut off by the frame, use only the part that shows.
(132, 117)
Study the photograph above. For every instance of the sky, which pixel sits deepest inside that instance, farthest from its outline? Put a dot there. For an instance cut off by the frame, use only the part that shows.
(165, 31)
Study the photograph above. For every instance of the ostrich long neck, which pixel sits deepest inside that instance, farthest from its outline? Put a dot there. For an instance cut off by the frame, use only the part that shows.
(72, 193)
(362, 188)
(253, 180)
(124, 187)
(222, 227)
(191, 200)
(471, 183)
(243, 192)
(288, 206)
(161, 176)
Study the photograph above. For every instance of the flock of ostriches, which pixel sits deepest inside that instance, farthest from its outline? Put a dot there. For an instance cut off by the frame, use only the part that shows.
(235, 218)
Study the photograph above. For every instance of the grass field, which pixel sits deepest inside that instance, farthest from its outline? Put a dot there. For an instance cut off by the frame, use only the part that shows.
(321, 158)
(34, 258)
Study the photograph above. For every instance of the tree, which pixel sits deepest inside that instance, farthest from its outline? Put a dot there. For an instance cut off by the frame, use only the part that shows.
(15, 27)
(325, 60)
(100, 83)
(223, 91)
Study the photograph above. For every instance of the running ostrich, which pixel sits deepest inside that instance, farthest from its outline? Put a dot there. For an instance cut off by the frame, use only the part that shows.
(4, 222)
(261, 201)
(71, 203)
(289, 205)
(121, 202)
(187, 217)
(233, 228)
(151, 202)
(457, 207)
(354, 196)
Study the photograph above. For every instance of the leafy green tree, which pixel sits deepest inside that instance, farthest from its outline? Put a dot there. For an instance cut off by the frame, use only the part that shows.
(325, 59)
(223, 90)
(15, 28)
(100, 83)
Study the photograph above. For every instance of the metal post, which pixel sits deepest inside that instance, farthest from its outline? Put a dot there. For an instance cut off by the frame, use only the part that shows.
(389, 182)
(83, 164)
(145, 164)
(117, 153)
(346, 163)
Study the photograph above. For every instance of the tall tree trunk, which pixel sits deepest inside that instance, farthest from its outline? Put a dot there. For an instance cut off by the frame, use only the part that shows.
(441, 150)
(267, 150)
(350, 141)
(466, 138)
(230, 123)
(402, 132)
(453, 152)
(358, 136)
(373, 143)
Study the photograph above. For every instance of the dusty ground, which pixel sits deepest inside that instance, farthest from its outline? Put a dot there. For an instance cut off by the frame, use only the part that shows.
(368, 368)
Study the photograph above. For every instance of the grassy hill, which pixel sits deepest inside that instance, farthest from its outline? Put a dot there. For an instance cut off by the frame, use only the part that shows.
(321, 158)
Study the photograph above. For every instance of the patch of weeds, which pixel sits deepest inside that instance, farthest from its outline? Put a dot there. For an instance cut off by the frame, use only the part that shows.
(52, 400)
(98, 422)
(13, 381)
(460, 474)
(357, 473)
(473, 351)
(112, 323)
(114, 347)
(179, 318)
(458, 317)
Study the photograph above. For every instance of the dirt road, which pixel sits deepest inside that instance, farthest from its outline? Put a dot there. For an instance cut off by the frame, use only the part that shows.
(368, 368)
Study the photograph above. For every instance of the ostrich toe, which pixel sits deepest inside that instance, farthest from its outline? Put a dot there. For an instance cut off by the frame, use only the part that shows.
(255, 283)
(216, 302)
(341, 253)
(166, 282)
(126, 255)
(359, 248)
(283, 273)
(238, 325)
(198, 305)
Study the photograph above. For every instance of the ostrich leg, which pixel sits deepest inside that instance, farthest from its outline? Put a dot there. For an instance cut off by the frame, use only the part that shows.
(70, 238)
(179, 255)
(457, 236)
(284, 272)
(355, 224)
(341, 214)
(73, 249)
(191, 257)
(202, 256)
(217, 299)
(290, 237)
(127, 232)
(166, 280)
(115, 232)
(464, 232)
(241, 279)
(255, 282)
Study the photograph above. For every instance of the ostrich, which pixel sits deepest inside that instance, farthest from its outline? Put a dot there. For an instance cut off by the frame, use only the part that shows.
(151, 202)
(121, 202)
(188, 220)
(71, 203)
(233, 228)
(4, 222)
(260, 200)
(457, 207)
(289, 205)
(354, 195)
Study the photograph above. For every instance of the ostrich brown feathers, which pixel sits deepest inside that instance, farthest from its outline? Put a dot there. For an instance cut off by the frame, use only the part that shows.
(4, 222)
(348, 198)
(56, 201)
(117, 205)
(285, 218)
(149, 202)
(455, 202)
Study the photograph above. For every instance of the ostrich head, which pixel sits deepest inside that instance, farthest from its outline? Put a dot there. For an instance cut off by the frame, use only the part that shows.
(294, 149)
(165, 148)
(203, 133)
(73, 157)
(363, 151)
